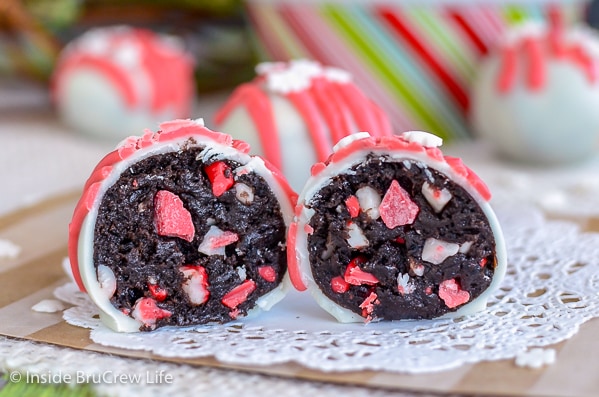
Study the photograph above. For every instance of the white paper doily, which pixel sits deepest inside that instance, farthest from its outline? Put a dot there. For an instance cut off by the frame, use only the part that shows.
(70, 365)
(550, 289)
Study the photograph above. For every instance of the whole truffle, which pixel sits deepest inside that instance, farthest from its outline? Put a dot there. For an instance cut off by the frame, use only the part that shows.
(293, 113)
(537, 94)
(113, 82)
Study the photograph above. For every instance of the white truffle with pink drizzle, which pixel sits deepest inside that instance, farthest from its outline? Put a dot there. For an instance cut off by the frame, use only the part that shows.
(536, 95)
(292, 114)
(112, 82)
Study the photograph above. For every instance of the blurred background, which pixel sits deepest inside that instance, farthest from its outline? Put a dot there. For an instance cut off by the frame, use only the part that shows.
(33, 32)
(416, 58)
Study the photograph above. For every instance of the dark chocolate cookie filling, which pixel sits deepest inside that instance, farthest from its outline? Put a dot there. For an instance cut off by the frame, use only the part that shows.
(126, 239)
(397, 252)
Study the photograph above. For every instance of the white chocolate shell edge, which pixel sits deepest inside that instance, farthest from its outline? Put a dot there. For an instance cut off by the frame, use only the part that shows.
(110, 315)
(316, 183)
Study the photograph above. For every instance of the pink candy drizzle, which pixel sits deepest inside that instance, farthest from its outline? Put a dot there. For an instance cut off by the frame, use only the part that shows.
(169, 71)
(342, 106)
(536, 51)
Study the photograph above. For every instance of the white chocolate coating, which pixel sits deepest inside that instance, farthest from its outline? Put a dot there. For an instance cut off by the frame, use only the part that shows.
(317, 182)
(112, 82)
(559, 123)
(110, 315)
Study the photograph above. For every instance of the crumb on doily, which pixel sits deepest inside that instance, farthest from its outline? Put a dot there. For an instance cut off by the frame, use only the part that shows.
(48, 306)
(8, 249)
(536, 358)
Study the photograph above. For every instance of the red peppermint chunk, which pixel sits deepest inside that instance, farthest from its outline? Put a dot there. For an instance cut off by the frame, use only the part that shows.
(223, 239)
(268, 273)
(368, 306)
(157, 292)
(195, 284)
(147, 312)
(353, 206)
(239, 294)
(170, 216)
(215, 241)
(339, 285)
(356, 276)
(452, 294)
(234, 313)
(397, 208)
(483, 262)
(220, 176)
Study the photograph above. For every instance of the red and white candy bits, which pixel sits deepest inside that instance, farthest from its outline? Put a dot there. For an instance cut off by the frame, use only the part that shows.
(400, 200)
(171, 217)
(397, 208)
(177, 250)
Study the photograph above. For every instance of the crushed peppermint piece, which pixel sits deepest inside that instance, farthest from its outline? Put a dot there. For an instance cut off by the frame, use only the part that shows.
(239, 294)
(48, 306)
(465, 247)
(356, 238)
(346, 140)
(106, 280)
(415, 267)
(224, 239)
(436, 251)
(337, 75)
(215, 240)
(356, 276)
(369, 200)
(8, 249)
(267, 273)
(147, 312)
(452, 294)
(234, 313)
(244, 193)
(425, 139)
(157, 291)
(195, 284)
(536, 358)
(367, 306)
(242, 271)
(353, 206)
(404, 286)
(264, 68)
(220, 176)
(437, 198)
(397, 208)
(171, 218)
(298, 75)
(339, 285)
